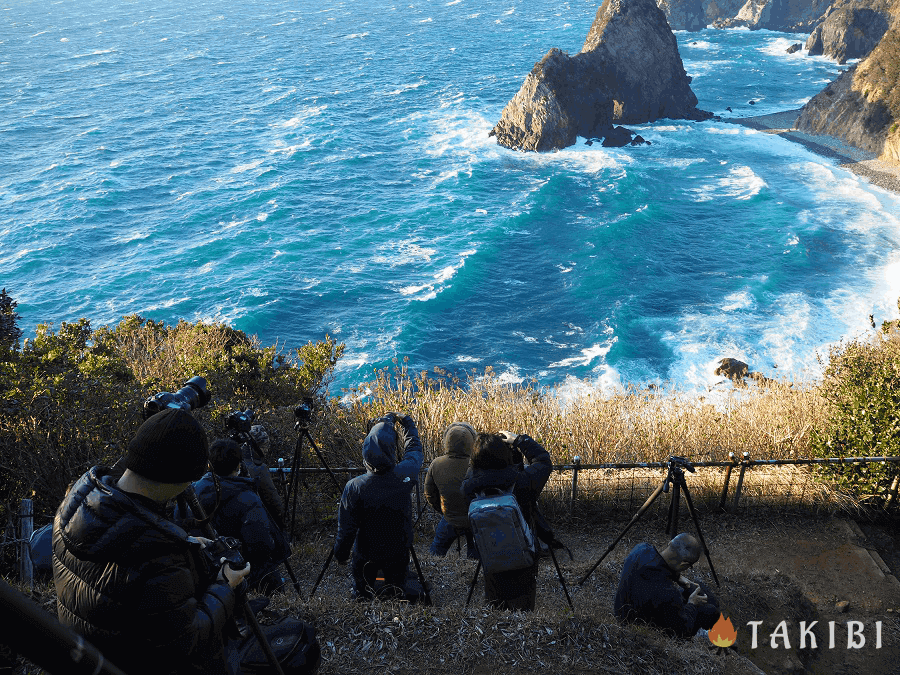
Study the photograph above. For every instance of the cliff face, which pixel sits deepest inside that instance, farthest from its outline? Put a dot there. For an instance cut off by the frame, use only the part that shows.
(629, 70)
(862, 106)
(849, 30)
(683, 14)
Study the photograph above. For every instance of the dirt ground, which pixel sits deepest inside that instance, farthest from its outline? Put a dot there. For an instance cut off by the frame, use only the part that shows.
(771, 568)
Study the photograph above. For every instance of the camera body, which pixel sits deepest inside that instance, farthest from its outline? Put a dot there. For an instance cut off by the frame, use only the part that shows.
(194, 394)
(223, 547)
(240, 421)
(303, 412)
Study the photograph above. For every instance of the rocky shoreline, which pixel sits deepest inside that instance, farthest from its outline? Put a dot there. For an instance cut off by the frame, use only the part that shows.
(863, 163)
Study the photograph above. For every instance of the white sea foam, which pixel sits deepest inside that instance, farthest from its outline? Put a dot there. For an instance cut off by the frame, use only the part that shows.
(588, 355)
(742, 300)
(453, 2)
(741, 183)
(406, 87)
(428, 20)
(353, 36)
(249, 166)
(462, 358)
(303, 116)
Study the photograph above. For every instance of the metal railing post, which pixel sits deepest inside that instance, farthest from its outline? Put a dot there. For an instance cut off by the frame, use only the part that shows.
(26, 529)
(576, 461)
(727, 479)
(740, 484)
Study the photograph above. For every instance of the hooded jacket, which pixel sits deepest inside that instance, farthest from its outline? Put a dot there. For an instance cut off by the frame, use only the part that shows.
(375, 511)
(446, 474)
(241, 514)
(130, 582)
(265, 486)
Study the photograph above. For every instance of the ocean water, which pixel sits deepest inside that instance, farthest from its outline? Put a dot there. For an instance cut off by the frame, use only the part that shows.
(294, 168)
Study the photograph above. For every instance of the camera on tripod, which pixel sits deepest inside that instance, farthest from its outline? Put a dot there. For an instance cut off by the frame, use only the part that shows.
(303, 412)
(676, 462)
(193, 394)
(241, 421)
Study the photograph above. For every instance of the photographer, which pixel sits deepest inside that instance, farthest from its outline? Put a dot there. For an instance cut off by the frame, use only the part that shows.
(128, 578)
(495, 460)
(653, 589)
(242, 515)
(254, 461)
(375, 515)
(442, 482)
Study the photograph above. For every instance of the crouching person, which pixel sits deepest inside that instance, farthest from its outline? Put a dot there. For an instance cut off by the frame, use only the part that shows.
(495, 467)
(442, 482)
(375, 515)
(127, 577)
(241, 514)
(652, 589)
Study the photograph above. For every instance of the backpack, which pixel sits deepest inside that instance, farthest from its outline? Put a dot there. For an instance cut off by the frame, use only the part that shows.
(502, 537)
(293, 643)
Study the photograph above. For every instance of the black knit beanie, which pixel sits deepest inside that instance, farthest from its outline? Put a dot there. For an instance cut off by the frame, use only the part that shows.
(170, 447)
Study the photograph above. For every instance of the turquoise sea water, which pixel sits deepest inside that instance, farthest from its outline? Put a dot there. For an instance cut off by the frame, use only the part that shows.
(295, 168)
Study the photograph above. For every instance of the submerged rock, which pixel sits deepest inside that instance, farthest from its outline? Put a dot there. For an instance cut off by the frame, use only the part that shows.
(629, 70)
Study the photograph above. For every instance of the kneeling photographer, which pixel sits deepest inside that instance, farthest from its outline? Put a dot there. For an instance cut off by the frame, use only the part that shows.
(375, 515)
(238, 511)
(127, 577)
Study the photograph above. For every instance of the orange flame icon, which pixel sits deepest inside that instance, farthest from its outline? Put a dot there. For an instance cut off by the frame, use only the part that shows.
(723, 633)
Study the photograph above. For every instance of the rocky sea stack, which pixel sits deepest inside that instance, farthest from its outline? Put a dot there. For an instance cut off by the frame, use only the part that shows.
(629, 71)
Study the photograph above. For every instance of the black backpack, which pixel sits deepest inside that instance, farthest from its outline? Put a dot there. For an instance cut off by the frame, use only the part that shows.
(294, 644)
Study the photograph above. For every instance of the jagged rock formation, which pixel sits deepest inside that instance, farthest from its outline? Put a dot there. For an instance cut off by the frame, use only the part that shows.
(862, 106)
(794, 48)
(684, 14)
(629, 70)
(848, 33)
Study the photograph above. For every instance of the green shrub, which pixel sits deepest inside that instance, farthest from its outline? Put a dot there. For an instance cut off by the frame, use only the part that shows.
(73, 397)
(862, 389)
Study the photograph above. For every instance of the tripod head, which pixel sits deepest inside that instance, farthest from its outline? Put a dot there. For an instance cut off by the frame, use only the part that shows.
(303, 413)
(677, 465)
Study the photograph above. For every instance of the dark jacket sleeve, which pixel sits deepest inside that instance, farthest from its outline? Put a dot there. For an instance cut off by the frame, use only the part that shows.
(413, 456)
(663, 605)
(261, 542)
(348, 523)
(432, 493)
(540, 464)
(175, 621)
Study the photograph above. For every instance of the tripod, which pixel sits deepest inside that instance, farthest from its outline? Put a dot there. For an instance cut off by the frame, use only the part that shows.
(426, 593)
(674, 477)
(303, 413)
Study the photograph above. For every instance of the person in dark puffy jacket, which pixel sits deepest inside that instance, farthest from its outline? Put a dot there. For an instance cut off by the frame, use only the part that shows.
(442, 482)
(375, 514)
(653, 589)
(241, 514)
(494, 465)
(130, 580)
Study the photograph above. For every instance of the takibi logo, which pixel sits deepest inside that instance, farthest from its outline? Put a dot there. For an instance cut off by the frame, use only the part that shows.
(723, 634)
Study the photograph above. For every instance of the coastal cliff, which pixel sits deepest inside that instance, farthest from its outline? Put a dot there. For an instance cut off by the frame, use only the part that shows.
(862, 106)
(629, 70)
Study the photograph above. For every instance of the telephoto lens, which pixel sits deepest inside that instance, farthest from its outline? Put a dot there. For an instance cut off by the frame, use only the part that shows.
(193, 394)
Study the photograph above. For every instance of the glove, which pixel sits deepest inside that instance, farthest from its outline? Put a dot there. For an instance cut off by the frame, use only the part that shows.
(407, 422)
(232, 576)
(508, 437)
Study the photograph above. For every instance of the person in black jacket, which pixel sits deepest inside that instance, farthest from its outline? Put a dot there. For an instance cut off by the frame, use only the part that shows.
(240, 513)
(254, 455)
(494, 465)
(653, 589)
(375, 515)
(127, 577)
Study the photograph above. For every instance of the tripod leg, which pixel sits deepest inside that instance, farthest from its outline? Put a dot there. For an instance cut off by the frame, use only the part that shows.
(291, 497)
(293, 576)
(425, 590)
(261, 638)
(309, 437)
(322, 573)
(690, 503)
(633, 520)
(674, 506)
(561, 580)
(474, 580)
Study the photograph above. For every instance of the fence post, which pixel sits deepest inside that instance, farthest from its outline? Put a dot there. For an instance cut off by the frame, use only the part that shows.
(727, 480)
(740, 484)
(576, 461)
(26, 528)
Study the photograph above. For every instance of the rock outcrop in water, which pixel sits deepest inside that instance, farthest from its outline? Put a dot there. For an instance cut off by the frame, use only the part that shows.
(684, 14)
(629, 70)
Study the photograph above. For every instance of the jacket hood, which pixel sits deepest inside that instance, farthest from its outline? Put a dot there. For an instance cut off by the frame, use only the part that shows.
(100, 522)
(459, 439)
(379, 450)
(481, 479)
